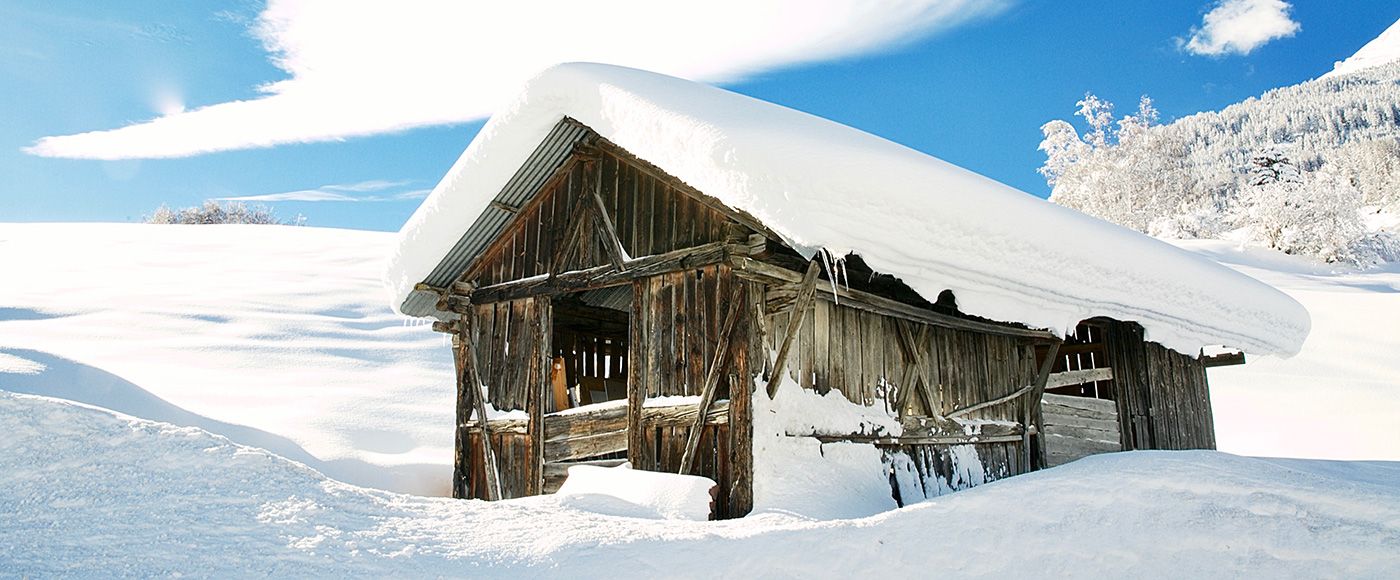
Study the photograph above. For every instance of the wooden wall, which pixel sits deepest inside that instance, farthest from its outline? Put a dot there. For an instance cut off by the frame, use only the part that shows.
(1163, 396)
(677, 322)
(512, 344)
(860, 353)
(1078, 426)
(651, 213)
(510, 336)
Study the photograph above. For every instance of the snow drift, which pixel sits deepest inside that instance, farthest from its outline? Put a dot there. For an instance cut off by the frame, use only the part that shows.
(88, 492)
(821, 185)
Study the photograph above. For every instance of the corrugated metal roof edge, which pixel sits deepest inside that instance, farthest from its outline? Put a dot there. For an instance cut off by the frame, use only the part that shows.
(551, 153)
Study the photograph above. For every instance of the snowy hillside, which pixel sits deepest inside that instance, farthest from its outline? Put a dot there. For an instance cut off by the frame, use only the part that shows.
(88, 492)
(1216, 174)
(1384, 49)
(276, 337)
(279, 338)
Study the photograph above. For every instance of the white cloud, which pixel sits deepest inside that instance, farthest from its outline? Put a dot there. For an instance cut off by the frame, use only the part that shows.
(364, 67)
(377, 190)
(1240, 26)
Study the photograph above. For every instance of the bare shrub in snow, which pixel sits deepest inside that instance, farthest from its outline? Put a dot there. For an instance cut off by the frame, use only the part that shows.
(214, 212)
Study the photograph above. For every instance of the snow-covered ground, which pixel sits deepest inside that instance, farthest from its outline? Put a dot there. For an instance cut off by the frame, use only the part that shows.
(1340, 397)
(89, 492)
(279, 338)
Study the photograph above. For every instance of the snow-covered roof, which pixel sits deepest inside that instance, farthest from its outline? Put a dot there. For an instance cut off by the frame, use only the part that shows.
(818, 184)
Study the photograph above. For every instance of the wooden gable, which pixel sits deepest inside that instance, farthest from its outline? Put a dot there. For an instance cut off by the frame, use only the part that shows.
(648, 211)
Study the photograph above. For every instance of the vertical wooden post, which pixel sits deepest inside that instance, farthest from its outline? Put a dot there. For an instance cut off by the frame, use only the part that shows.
(460, 469)
(639, 359)
(539, 389)
(1034, 401)
(749, 347)
(472, 380)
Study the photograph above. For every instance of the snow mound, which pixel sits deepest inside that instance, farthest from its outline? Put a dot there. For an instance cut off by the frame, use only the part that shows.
(638, 493)
(1384, 49)
(820, 185)
(87, 492)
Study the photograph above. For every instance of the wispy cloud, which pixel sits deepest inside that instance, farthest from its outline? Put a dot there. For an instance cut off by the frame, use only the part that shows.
(365, 67)
(374, 190)
(1240, 26)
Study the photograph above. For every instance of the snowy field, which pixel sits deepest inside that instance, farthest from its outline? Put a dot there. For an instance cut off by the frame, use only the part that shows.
(279, 339)
(89, 492)
(276, 337)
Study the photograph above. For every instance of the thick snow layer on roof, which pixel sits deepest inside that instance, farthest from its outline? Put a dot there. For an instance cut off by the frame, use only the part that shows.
(1005, 254)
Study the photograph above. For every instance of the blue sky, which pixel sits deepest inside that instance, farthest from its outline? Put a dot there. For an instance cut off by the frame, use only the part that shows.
(971, 83)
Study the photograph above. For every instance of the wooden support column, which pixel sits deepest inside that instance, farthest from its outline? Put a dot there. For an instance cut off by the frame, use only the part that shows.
(805, 292)
(539, 389)
(717, 366)
(1041, 378)
(461, 470)
(471, 380)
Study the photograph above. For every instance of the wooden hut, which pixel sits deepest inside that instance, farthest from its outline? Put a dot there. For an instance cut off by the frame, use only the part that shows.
(612, 303)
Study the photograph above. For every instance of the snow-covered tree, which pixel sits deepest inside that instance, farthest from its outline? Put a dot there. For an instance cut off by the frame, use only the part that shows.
(1191, 177)
(1314, 215)
(214, 212)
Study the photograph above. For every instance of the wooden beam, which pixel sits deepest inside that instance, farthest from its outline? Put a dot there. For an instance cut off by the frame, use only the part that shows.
(503, 206)
(707, 393)
(746, 267)
(573, 235)
(997, 401)
(1222, 360)
(600, 276)
(478, 389)
(604, 229)
(807, 288)
(1066, 378)
(936, 440)
(1041, 378)
(911, 345)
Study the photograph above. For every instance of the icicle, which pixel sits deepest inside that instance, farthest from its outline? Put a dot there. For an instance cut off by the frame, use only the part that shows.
(830, 263)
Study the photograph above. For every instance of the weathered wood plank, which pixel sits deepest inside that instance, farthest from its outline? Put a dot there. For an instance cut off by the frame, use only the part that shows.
(492, 479)
(806, 291)
(712, 375)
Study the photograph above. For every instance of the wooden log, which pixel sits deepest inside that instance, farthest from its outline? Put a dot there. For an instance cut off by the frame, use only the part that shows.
(807, 288)
(1066, 378)
(717, 366)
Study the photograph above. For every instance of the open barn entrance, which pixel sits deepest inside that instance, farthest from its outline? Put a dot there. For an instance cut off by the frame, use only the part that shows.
(590, 348)
(585, 421)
